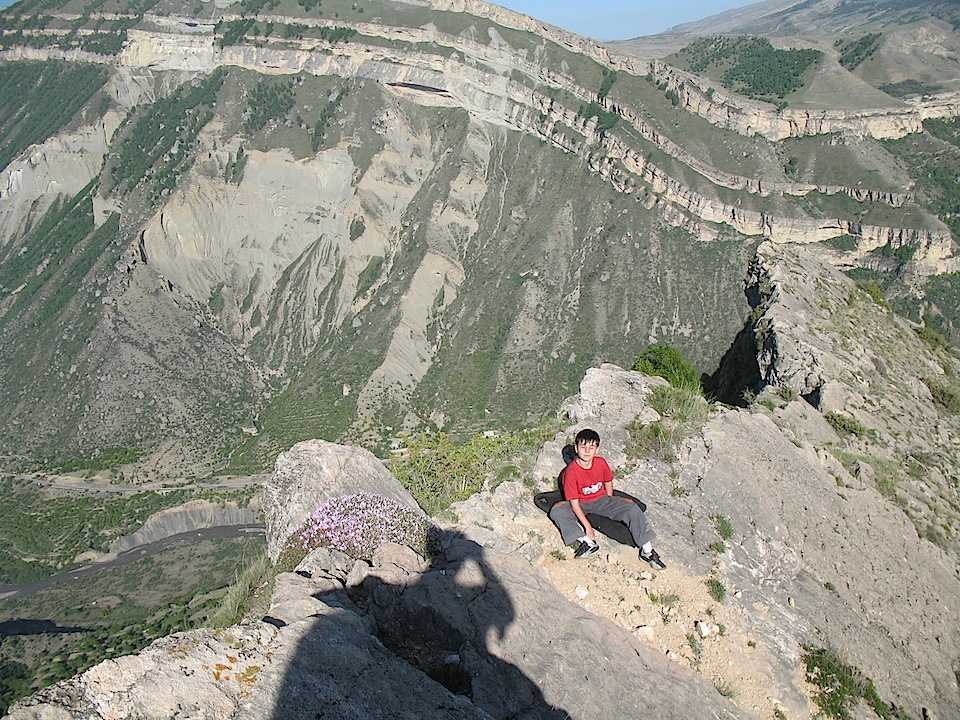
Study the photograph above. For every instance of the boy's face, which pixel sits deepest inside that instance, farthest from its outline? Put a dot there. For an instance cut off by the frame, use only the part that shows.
(586, 449)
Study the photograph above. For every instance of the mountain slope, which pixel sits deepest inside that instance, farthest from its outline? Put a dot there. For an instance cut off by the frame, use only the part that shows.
(356, 220)
(820, 17)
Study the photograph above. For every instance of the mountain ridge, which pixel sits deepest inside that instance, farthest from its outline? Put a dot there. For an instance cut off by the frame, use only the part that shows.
(818, 17)
(339, 255)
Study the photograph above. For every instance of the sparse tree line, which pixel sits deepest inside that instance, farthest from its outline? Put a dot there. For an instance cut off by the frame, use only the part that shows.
(326, 115)
(39, 98)
(97, 35)
(751, 65)
(158, 146)
(269, 100)
(854, 52)
(233, 32)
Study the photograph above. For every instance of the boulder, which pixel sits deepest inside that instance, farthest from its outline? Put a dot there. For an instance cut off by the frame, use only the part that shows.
(314, 471)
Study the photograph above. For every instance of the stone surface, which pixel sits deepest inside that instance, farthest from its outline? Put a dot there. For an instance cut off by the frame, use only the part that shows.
(816, 558)
(487, 623)
(314, 471)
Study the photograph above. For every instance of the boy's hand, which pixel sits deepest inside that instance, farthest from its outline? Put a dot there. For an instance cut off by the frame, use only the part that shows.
(582, 518)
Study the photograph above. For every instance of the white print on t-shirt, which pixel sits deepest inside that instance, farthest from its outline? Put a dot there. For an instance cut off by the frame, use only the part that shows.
(592, 489)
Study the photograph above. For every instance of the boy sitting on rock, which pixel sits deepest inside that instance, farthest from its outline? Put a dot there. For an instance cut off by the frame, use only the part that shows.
(588, 487)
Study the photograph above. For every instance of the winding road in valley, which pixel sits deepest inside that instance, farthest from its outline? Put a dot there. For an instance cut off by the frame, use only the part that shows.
(222, 532)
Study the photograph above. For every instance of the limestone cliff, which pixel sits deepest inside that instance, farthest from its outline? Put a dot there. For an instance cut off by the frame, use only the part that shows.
(399, 248)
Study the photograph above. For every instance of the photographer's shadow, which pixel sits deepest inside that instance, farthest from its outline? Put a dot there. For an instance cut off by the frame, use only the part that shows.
(386, 626)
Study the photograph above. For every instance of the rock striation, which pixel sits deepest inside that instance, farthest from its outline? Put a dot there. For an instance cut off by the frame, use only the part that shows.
(184, 518)
(477, 83)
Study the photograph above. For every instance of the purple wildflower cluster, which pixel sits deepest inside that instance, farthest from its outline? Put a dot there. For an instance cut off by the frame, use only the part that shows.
(358, 524)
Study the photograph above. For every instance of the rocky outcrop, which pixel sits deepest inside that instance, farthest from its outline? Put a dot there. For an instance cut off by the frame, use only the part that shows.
(818, 336)
(477, 82)
(190, 516)
(311, 472)
(747, 117)
(479, 631)
(813, 560)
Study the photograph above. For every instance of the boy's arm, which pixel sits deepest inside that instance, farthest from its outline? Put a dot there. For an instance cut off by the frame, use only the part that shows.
(582, 518)
(608, 486)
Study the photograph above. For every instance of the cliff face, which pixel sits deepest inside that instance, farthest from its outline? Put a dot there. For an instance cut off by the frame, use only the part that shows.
(410, 208)
(820, 338)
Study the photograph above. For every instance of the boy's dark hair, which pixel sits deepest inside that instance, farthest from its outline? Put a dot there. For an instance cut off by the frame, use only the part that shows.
(587, 435)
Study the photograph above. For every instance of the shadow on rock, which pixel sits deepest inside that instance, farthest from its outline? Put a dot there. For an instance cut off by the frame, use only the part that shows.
(22, 626)
(406, 638)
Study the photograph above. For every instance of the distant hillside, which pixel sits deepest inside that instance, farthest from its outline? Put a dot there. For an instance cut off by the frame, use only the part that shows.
(225, 230)
(820, 17)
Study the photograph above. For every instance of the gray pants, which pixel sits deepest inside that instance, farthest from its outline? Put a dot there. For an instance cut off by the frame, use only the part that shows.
(615, 508)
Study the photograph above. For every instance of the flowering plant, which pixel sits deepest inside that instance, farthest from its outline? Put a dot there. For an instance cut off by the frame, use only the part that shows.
(357, 525)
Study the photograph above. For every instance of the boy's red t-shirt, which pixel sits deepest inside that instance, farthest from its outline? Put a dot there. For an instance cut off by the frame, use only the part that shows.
(585, 485)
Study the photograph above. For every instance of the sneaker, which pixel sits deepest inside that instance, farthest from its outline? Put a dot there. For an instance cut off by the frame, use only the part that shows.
(586, 549)
(654, 560)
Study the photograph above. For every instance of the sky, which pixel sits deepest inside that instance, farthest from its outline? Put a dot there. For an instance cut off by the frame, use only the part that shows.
(613, 19)
(619, 19)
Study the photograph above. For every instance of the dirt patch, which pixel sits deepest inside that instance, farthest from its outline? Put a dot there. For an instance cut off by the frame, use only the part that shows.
(673, 612)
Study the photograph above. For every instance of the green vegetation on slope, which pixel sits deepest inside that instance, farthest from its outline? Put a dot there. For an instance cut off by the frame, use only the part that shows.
(751, 66)
(232, 32)
(906, 88)
(269, 100)
(439, 470)
(839, 687)
(157, 149)
(42, 535)
(854, 52)
(37, 99)
(51, 314)
(932, 160)
(22, 25)
(57, 633)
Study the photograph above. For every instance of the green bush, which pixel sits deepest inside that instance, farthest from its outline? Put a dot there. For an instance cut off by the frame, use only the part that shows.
(907, 88)
(788, 393)
(871, 288)
(606, 119)
(37, 99)
(667, 362)
(931, 337)
(609, 78)
(683, 413)
(845, 424)
(945, 394)
(722, 525)
(840, 686)
(268, 101)
(716, 589)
